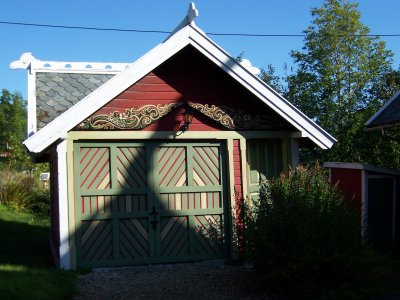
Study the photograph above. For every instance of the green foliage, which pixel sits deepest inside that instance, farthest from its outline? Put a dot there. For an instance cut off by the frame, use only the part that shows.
(21, 192)
(239, 58)
(13, 131)
(268, 76)
(14, 195)
(40, 201)
(342, 78)
(339, 63)
(302, 231)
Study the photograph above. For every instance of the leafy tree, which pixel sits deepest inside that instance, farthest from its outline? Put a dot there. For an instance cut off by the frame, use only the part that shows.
(269, 76)
(13, 131)
(341, 79)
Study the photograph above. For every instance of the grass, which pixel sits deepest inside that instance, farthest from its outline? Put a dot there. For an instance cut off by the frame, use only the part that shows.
(26, 269)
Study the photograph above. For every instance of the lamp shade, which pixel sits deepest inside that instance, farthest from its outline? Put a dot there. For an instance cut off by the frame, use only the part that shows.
(187, 116)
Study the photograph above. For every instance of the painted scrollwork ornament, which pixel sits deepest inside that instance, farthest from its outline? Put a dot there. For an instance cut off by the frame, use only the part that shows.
(235, 119)
(137, 118)
(133, 118)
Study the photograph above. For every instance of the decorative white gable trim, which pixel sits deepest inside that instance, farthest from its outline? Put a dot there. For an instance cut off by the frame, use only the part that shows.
(187, 35)
(29, 62)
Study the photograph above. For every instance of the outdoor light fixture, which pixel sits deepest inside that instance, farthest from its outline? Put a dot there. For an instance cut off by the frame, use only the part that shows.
(187, 116)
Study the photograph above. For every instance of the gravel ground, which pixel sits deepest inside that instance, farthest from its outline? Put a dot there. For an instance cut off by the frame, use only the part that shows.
(203, 280)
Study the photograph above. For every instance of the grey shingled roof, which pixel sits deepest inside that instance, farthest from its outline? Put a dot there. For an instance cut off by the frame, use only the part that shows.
(388, 115)
(57, 92)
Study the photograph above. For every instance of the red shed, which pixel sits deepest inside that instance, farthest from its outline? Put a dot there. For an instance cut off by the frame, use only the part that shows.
(135, 179)
(373, 190)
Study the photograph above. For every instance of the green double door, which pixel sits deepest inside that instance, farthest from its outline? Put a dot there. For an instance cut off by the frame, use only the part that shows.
(149, 202)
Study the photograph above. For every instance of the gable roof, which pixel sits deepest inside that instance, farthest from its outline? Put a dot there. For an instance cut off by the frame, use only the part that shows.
(388, 115)
(187, 33)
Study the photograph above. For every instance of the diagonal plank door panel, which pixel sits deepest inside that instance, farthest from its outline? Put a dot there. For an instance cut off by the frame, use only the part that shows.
(190, 201)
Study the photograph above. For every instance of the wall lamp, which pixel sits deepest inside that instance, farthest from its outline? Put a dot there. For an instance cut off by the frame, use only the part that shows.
(187, 116)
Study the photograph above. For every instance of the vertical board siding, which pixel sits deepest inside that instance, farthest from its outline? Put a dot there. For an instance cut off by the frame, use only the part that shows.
(115, 203)
(132, 203)
(191, 201)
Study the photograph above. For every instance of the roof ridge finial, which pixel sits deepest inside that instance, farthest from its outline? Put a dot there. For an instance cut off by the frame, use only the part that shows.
(192, 13)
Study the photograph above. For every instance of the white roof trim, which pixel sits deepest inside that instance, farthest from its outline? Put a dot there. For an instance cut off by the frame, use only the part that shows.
(28, 61)
(382, 109)
(189, 34)
(360, 166)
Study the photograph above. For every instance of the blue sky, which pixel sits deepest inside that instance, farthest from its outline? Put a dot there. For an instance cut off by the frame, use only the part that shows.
(222, 16)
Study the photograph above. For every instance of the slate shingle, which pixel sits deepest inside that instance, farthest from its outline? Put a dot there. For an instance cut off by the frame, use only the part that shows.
(57, 92)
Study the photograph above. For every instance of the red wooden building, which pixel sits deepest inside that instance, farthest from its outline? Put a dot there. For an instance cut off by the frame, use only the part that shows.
(374, 191)
(132, 183)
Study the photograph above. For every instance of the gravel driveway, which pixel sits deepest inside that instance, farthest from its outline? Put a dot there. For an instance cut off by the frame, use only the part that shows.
(202, 280)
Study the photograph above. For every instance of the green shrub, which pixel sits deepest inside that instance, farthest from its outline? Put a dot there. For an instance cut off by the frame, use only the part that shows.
(21, 192)
(301, 230)
(15, 196)
(39, 201)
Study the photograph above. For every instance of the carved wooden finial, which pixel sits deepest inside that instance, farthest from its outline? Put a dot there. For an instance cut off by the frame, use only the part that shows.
(24, 61)
(192, 14)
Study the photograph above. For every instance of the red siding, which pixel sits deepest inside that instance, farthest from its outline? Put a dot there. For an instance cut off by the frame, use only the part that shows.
(237, 167)
(187, 76)
(237, 170)
(349, 181)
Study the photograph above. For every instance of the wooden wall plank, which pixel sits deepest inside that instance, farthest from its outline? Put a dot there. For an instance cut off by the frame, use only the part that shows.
(186, 77)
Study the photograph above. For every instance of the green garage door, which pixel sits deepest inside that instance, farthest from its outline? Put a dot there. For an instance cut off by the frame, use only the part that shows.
(149, 202)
